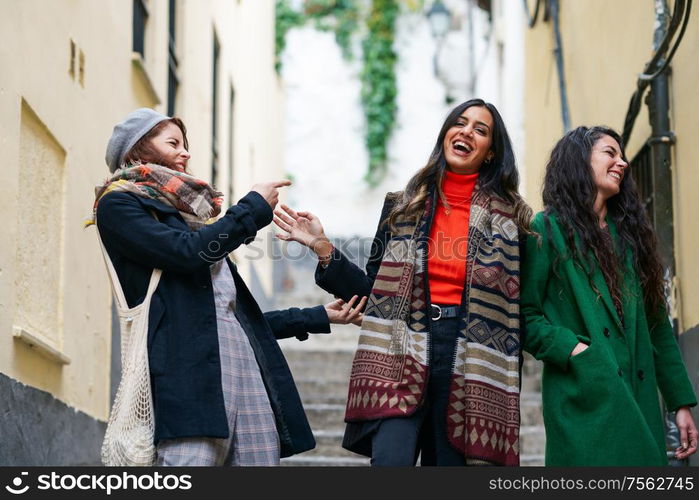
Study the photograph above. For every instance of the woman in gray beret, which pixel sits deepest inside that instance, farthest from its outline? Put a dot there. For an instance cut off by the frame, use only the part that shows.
(222, 391)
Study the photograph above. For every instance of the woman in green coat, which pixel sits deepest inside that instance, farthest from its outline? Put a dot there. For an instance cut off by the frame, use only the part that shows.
(592, 297)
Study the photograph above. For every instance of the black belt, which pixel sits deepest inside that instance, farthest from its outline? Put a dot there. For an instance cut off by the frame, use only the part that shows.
(444, 312)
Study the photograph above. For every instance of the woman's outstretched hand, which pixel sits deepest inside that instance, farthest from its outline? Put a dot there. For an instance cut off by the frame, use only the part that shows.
(342, 313)
(304, 228)
(270, 191)
(688, 433)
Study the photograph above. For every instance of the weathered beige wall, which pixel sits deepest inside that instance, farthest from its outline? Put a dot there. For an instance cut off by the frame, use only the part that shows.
(606, 45)
(259, 123)
(245, 31)
(78, 119)
(684, 118)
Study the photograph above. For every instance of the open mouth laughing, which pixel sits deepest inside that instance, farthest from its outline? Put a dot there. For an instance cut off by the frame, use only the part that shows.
(616, 175)
(462, 147)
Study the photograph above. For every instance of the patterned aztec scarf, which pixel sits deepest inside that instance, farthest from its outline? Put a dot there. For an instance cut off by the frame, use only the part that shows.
(196, 200)
(390, 367)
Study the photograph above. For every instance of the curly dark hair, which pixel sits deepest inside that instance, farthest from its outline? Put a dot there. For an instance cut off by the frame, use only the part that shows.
(498, 177)
(569, 192)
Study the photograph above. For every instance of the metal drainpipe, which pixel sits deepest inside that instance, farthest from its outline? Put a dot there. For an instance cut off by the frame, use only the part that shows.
(565, 115)
(661, 141)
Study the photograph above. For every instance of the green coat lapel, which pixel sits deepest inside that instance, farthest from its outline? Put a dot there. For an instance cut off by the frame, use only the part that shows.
(601, 284)
(629, 291)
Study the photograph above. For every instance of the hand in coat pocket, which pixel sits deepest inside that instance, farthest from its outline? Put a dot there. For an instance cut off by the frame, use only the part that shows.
(579, 347)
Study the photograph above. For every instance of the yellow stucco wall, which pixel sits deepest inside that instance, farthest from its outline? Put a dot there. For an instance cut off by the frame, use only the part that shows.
(245, 31)
(42, 103)
(606, 45)
(78, 117)
(684, 116)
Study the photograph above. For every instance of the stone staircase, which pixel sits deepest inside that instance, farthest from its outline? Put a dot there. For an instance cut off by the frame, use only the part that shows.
(321, 367)
(531, 432)
(321, 373)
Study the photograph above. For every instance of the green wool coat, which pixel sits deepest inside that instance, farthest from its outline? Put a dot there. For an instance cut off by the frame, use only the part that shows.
(601, 407)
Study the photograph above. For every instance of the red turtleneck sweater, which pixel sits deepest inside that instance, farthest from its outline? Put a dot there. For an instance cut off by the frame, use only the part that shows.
(449, 240)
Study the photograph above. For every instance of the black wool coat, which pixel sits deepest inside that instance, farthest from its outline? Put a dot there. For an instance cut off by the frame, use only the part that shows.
(182, 331)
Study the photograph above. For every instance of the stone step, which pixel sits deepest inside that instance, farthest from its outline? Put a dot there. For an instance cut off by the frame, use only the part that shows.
(532, 440)
(321, 356)
(530, 409)
(329, 443)
(322, 391)
(531, 374)
(308, 351)
(322, 377)
(333, 365)
(531, 460)
(325, 416)
(305, 460)
(330, 414)
(317, 390)
(342, 340)
(330, 359)
(530, 402)
(316, 387)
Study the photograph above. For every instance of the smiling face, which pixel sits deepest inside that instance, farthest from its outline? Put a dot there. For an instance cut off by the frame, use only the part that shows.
(467, 144)
(169, 145)
(608, 166)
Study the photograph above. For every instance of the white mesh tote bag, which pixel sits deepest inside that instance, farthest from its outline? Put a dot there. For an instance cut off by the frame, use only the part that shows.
(128, 440)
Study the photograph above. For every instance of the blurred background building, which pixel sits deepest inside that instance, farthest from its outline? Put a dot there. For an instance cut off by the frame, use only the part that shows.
(71, 70)
(275, 88)
(549, 66)
(593, 62)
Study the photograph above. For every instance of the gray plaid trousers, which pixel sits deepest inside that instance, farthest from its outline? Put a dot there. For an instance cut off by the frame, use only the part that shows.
(254, 440)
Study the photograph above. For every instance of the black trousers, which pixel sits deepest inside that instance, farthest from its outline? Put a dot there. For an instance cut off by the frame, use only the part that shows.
(399, 441)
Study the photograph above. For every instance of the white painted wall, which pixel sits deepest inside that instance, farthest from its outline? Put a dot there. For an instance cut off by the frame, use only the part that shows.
(502, 78)
(324, 145)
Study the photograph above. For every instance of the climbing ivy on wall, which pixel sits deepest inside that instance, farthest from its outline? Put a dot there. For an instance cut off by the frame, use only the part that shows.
(378, 60)
(340, 16)
(285, 19)
(379, 85)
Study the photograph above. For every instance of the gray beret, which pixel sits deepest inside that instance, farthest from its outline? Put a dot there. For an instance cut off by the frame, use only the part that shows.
(127, 133)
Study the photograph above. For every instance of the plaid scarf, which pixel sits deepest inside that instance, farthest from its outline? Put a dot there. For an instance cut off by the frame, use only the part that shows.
(391, 365)
(196, 200)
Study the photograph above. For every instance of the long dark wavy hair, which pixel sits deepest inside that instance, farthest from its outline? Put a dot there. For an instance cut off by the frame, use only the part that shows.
(569, 192)
(497, 177)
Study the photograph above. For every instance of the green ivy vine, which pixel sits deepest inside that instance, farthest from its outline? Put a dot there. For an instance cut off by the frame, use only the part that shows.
(379, 85)
(340, 16)
(285, 19)
(378, 78)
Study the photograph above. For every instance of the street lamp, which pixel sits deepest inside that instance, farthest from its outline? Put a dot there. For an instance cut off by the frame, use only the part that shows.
(440, 20)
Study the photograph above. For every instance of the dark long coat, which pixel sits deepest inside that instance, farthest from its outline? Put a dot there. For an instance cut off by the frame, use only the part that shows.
(182, 331)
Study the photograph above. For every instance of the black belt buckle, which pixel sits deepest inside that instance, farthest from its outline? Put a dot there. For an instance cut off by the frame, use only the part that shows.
(439, 312)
